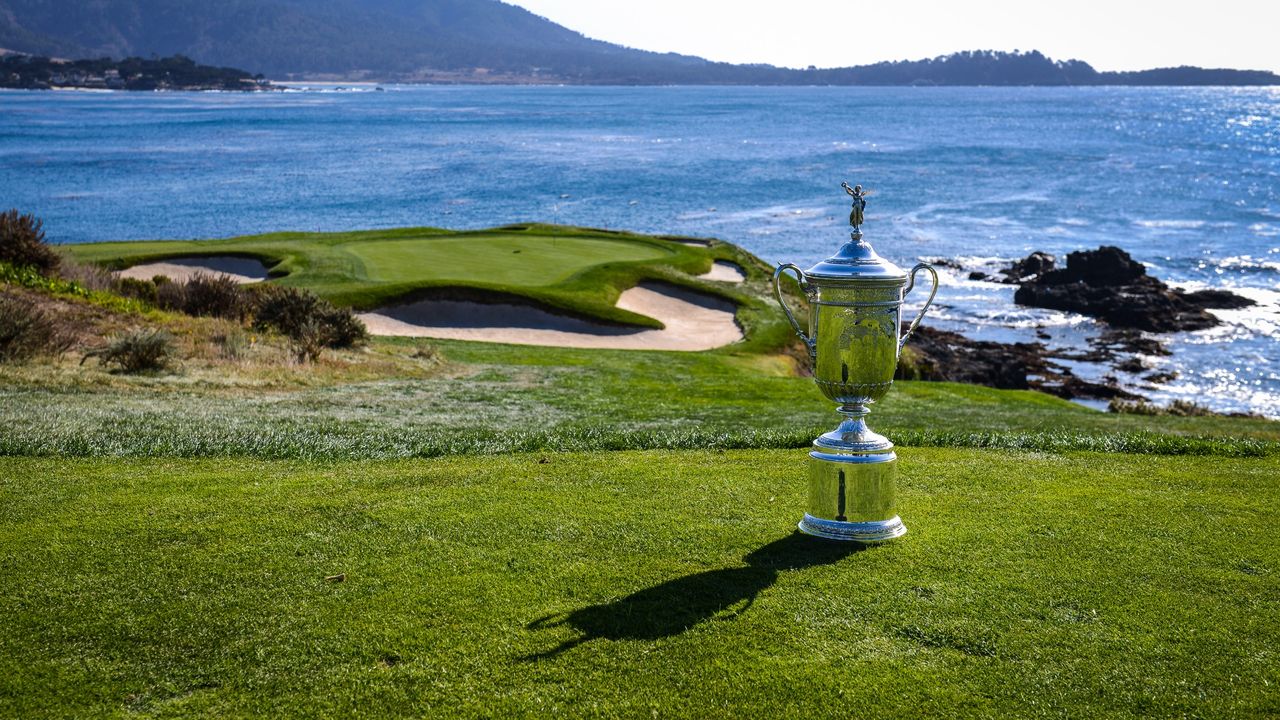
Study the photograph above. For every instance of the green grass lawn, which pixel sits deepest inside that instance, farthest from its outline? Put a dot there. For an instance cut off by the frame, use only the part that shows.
(580, 271)
(633, 584)
(530, 531)
(489, 398)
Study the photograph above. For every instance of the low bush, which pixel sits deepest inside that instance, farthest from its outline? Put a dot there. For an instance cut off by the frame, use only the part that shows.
(1177, 408)
(88, 276)
(27, 331)
(312, 324)
(144, 290)
(428, 353)
(140, 351)
(29, 277)
(204, 295)
(22, 243)
(234, 344)
(1186, 408)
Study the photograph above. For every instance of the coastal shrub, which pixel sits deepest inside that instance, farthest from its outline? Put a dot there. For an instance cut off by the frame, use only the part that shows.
(215, 296)
(428, 354)
(29, 277)
(88, 276)
(139, 351)
(144, 290)
(1177, 408)
(171, 295)
(1134, 407)
(344, 329)
(205, 295)
(1186, 408)
(22, 243)
(234, 344)
(308, 340)
(310, 322)
(27, 331)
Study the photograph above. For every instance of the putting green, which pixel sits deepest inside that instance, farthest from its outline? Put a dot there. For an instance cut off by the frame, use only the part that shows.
(575, 271)
(518, 260)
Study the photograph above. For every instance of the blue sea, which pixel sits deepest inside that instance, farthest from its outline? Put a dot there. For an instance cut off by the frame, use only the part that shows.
(1187, 180)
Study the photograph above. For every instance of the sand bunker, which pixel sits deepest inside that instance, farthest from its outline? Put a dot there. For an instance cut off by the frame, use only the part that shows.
(724, 271)
(242, 270)
(694, 321)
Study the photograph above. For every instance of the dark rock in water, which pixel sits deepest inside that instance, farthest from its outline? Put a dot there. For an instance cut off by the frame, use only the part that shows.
(944, 262)
(1030, 267)
(1161, 378)
(1110, 285)
(1070, 386)
(1037, 263)
(1219, 299)
(946, 356)
(1105, 267)
(1115, 343)
(1133, 365)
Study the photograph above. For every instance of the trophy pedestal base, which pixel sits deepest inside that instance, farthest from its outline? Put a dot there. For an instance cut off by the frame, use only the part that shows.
(863, 532)
(852, 495)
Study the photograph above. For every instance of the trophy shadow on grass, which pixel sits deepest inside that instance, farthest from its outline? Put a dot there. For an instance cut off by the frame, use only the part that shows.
(677, 605)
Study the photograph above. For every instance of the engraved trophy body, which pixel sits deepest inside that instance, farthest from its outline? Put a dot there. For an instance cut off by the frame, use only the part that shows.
(855, 316)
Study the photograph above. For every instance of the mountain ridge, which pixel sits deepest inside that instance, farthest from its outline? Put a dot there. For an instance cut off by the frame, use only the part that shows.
(478, 41)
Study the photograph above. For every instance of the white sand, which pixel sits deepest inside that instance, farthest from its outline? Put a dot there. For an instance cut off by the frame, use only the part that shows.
(693, 322)
(724, 271)
(242, 270)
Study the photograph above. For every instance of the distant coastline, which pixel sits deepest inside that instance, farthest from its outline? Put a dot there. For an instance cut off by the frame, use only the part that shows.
(975, 68)
(980, 68)
(29, 72)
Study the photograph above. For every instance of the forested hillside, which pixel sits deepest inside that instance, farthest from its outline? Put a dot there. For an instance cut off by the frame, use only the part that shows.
(474, 41)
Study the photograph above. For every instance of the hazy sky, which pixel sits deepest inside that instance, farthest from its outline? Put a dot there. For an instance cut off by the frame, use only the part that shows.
(1114, 35)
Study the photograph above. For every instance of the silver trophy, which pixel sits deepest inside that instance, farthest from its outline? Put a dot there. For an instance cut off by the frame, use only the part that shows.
(855, 315)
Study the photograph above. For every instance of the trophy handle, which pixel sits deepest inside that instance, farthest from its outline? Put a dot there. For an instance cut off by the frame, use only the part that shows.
(777, 291)
(910, 286)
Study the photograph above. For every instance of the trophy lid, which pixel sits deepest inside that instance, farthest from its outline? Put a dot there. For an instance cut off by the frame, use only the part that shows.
(857, 260)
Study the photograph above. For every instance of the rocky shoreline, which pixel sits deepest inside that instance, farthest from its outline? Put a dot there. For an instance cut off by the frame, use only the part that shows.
(1106, 284)
(941, 355)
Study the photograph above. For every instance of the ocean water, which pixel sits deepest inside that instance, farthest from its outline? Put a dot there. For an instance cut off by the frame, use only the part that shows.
(1187, 180)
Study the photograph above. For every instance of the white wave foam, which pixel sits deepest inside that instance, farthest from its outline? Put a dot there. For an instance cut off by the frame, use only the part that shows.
(1247, 262)
(1170, 224)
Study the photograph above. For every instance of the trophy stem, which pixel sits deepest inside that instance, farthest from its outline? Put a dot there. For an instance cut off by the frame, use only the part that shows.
(855, 418)
(853, 435)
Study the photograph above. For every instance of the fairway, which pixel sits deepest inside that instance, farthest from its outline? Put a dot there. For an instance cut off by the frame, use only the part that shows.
(620, 584)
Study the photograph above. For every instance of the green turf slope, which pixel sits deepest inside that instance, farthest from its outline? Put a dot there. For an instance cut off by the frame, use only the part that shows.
(574, 270)
(493, 398)
(652, 584)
